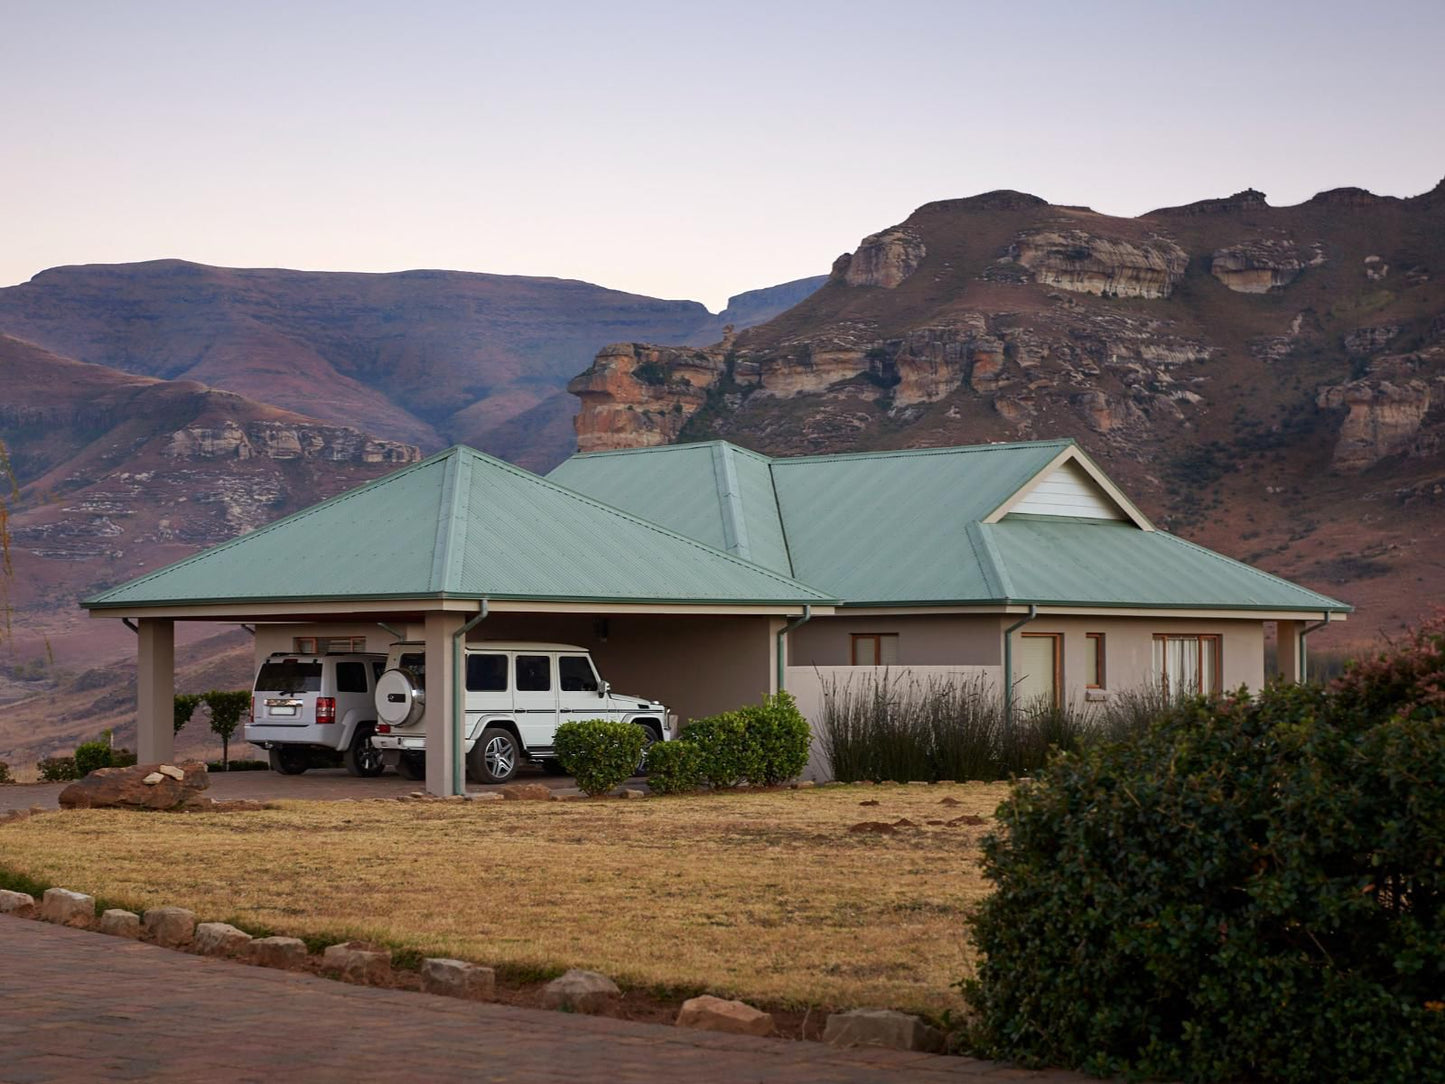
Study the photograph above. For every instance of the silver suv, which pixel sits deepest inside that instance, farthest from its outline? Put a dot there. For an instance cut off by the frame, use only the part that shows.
(516, 695)
(311, 710)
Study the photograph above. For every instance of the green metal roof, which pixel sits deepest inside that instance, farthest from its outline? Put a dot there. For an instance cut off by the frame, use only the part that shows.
(906, 528)
(461, 524)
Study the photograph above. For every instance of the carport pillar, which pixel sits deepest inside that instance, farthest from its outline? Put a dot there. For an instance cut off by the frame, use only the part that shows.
(155, 691)
(440, 717)
(1287, 652)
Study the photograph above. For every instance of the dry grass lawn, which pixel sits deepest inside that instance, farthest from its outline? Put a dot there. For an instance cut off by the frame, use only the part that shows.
(764, 895)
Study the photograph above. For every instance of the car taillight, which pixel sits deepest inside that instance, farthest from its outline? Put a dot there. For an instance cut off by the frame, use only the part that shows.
(326, 709)
(383, 728)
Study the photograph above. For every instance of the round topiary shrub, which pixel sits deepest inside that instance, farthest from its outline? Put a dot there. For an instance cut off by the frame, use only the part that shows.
(673, 767)
(1252, 889)
(725, 756)
(601, 754)
(780, 738)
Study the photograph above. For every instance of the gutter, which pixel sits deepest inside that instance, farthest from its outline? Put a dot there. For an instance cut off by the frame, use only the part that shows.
(782, 634)
(1302, 649)
(459, 713)
(1008, 664)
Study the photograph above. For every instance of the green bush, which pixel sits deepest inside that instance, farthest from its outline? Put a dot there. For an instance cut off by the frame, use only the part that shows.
(57, 769)
(673, 767)
(90, 755)
(185, 706)
(226, 709)
(725, 758)
(779, 738)
(600, 754)
(1251, 889)
(122, 758)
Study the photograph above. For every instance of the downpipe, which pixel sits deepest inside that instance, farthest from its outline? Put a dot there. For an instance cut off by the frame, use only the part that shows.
(1008, 665)
(459, 713)
(1302, 651)
(782, 644)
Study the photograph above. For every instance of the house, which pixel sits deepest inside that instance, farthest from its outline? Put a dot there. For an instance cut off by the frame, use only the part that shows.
(706, 575)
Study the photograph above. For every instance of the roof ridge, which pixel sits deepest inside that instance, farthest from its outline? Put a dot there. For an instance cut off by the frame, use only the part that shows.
(952, 449)
(452, 518)
(995, 572)
(653, 449)
(303, 513)
(730, 501)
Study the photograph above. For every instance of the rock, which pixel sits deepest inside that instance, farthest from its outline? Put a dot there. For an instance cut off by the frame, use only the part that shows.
(1256, 267)
(170, 927)
(580, 991)
(118, 923)
(220, 939)
(67, 908)
(457, 978)
(709, 1013)
(19, 904)
(171, 770)
(882, 1027)
(527, 792)
(885, 259)
(133, 788)
(357, 962)
(636, 395)
(1382, 418)
(1148, 267)
(485, 796)
(282, 952)
(631, 792)
(804, 784)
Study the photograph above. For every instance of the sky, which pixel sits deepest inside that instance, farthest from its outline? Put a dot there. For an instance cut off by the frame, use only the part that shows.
(671, 149)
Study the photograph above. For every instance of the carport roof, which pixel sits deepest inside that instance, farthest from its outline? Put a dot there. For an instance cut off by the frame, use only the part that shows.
(461, 525)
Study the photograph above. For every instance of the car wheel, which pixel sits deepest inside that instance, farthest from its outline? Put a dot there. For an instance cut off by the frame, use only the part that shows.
(289, 759)
(412, 766)
(650, 735)
(361, 757)
(494, 756)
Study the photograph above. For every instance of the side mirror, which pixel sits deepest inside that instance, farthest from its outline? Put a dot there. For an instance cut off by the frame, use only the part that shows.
(603, 689)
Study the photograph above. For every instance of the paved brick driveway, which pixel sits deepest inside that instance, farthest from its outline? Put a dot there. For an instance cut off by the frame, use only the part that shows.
(79, 1006)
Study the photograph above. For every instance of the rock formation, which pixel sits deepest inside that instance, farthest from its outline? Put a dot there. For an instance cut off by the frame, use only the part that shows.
(885, 259)
(1103, 266)
(1256, 267)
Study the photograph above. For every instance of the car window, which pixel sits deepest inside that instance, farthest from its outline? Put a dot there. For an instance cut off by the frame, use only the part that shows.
(487, 673)
(534, 673)
(351, 677)
(289, 676)
(575, 674)
(414, 663)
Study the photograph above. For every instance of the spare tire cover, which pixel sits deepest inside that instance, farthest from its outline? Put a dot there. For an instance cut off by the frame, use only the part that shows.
(398, 700)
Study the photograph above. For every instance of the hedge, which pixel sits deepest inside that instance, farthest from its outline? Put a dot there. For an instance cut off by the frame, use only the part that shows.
(601, 754)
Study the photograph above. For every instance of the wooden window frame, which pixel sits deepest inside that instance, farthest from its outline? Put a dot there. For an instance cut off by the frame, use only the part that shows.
(876, 639)
(1101, 672)
(1058, 639)
(1217, 677)
(299, 645)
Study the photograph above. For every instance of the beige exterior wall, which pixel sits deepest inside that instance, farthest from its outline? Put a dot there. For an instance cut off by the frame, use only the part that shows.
(280, 637)
(923, 639)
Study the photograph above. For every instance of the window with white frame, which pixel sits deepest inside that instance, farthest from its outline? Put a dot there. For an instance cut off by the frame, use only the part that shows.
(1187, 665)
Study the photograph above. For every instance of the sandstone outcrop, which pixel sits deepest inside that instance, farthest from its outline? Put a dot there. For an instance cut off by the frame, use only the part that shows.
(635, 395)
(1104, 266)
(127, 788)
(885, 259)
(1256, 267)
(275, 440)
(1383, 418)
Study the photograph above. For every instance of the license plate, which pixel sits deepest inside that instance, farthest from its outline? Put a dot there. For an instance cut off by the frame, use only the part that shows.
(289, 709)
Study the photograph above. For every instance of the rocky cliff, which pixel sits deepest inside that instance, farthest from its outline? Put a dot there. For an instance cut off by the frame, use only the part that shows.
(1269, 380)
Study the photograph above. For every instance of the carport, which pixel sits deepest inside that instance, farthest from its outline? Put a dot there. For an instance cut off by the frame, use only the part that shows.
(463, 546)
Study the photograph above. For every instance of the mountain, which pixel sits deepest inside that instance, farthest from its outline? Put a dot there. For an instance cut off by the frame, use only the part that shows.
(1267, 380)
(428, 358)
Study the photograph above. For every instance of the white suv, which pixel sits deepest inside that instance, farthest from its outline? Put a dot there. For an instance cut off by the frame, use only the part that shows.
(308, 709)
(516, 695)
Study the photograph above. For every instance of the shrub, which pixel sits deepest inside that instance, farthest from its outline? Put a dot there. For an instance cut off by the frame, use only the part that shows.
(57, 769)
(1251, 889)
(90, 755)
(226, 709)
(5, 773)
(724, 756)
(600, 754)
(185, 706)
(122, 758)
(673, 767)
(778, 737)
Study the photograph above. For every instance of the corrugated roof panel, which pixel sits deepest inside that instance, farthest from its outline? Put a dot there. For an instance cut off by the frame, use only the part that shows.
(462, 524)
(1096, 562)
(882, 527)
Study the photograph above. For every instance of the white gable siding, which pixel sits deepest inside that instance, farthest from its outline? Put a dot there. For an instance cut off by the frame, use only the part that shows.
(1069, 491)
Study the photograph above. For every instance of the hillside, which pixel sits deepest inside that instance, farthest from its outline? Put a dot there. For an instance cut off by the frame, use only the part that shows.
(429, 358)
(1267, 380)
